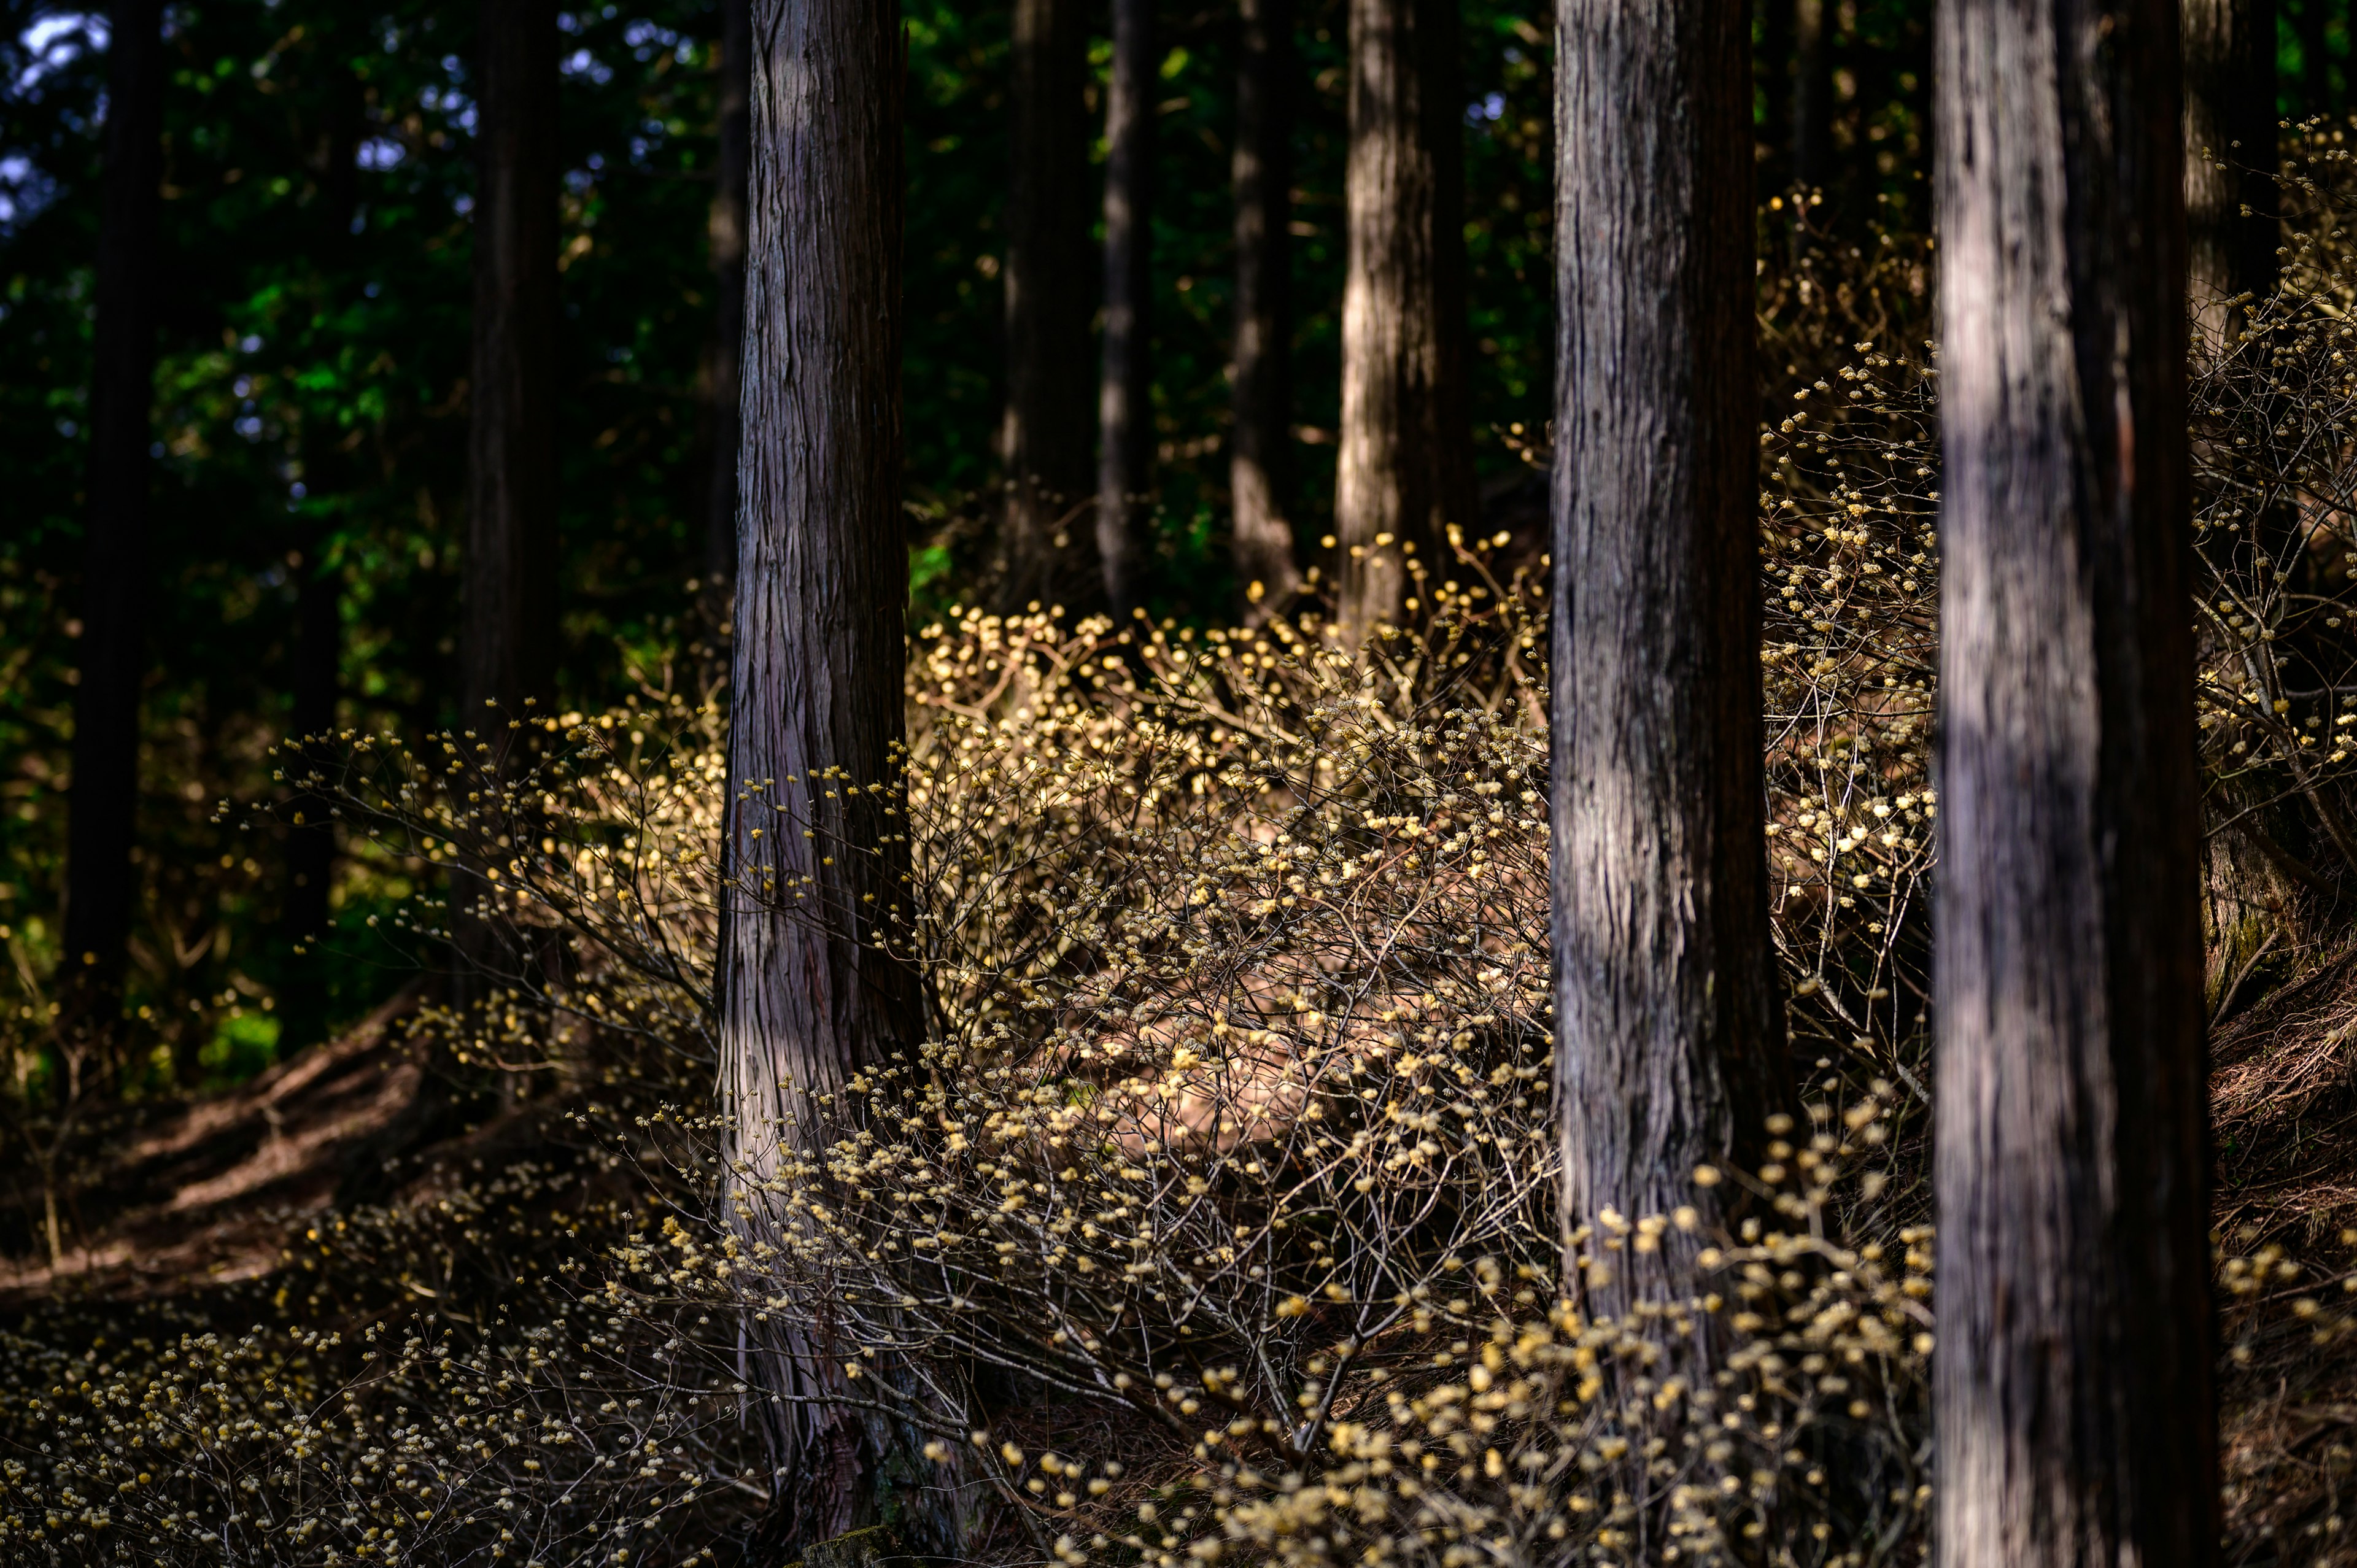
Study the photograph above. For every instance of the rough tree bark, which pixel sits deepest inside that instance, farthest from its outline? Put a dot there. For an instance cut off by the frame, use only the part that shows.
(1260, 460)
(1045, 441)
(105, 801)
(1404, 463)
(508, 649)
(726, 228)
(808, 992)
(1670, 1046)
(1126, 390)
(2076, 1418)
(2230, 159)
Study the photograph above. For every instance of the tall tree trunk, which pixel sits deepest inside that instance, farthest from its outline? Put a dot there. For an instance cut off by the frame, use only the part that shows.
(2076, 1416)
(1404, 465)
(104, 802)
(811, 991)
(1045, 441)
(2230, 159)
(1670, 1048)
(1813, 93)
(727, 348)
(1125, 393)
(317, 648)
(509, 646)
(1260, 462)
(2315, 63)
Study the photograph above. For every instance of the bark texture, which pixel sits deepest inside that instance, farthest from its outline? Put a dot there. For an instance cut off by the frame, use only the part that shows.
(2076, 1416)
(1260, 460)
(510, 643)
(726, 232)
(1670, 1048)
(104, 802)
(808, 992)
(2230, 159)
(1046, 440)
(1404, 465)
(1126, 390)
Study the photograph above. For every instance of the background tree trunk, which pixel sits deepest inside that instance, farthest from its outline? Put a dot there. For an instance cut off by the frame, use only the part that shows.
(1404, 465)
(2229, 158)
(105, 798)
(809, 993)
(1259, 463)
(2075, 1413)
(1670, 1046)
(1813, 93)
(509, 646)
(2314, 60)
(1779, 31)
(727, 349)
(1046, 440)
(1125, 393)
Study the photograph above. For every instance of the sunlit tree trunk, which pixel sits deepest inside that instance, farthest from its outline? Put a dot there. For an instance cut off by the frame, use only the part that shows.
(2076, 1413)
(2229, 158)
(510, 644)
(1260, 462)
(727, 346)
(1670, 1049)
(1404, 465)
(1124, 392)
(809, 993)
(104, 802)
(1046, 440)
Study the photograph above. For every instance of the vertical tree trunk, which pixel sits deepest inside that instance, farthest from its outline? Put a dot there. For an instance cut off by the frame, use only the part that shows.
(2230, 159)
(2315, 63)
(726, 351)
(105, 795)
(1125, 393)
(1404, 465)
(1670, 1046)
(809, 993)
(2076, 1417)
(1260, 462)
(1813, 93)
(1778, 35)
(1045, 441)
(509, 646)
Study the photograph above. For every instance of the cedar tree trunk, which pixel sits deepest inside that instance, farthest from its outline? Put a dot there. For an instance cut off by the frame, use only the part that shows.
(2076, 1418)
(2230, 159)
(727, 348)
(1404, 467)
(1125, 393)
(1045, 443)
(509, 646)
(1670, 1048)
(1260, 462)
(105, 794)
(808, 992)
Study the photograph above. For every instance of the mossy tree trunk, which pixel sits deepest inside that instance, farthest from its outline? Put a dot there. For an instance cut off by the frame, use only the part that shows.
(2076, 1413)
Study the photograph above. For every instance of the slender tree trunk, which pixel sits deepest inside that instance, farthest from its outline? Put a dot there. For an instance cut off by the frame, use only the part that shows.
(1404, 466)
(318, 648)
(509, 646)
(1670, 1048)
(1125, 393)
(1259, 463)
(810, 991)
(1813, 93)
(1778, 35)
(2076, 1416)
(727, 349)
(104, 802)
(2230, 159)
(1045, 441)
